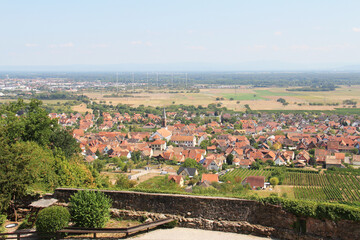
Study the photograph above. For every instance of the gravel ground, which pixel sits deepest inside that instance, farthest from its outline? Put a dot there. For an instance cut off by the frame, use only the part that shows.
(193, 234)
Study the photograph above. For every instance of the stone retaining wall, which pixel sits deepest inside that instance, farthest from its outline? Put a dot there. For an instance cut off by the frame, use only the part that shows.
(226, 214)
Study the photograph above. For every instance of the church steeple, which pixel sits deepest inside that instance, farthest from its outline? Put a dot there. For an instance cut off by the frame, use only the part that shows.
(163, 123)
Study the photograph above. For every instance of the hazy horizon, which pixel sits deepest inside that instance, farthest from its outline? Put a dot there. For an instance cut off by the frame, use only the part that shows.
(181, 35)
(184, 67)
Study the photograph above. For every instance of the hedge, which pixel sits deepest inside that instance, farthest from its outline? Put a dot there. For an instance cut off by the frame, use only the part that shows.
(319, 210)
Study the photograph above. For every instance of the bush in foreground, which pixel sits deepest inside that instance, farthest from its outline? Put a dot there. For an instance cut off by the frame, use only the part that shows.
(90, 209)
(2, 221)
(171, 224)
(52, 219)
(25, 224)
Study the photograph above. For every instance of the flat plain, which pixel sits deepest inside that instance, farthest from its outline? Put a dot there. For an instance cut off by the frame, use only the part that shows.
(236, 99)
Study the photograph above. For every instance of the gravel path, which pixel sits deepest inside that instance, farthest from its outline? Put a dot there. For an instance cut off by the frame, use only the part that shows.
(193, 234)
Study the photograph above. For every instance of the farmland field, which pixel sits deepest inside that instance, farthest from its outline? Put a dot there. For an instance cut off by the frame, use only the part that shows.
(324, 187)
(258, 94)
(313, 185)
(243, 173)
(235, 99)
(256, 98)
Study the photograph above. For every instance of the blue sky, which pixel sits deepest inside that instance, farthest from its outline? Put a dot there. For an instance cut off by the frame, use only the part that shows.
(223, 32)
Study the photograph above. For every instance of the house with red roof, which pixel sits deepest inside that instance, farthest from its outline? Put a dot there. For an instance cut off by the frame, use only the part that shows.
(255, 182)
(178, 179)
(209, 177)
(159, 145)
(184, 141)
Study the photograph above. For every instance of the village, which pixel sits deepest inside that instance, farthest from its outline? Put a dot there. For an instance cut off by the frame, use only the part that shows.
(227, 141)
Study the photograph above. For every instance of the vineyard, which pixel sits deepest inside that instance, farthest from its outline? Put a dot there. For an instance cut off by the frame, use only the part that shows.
(243, 173)
(312, 185)
(324, 187)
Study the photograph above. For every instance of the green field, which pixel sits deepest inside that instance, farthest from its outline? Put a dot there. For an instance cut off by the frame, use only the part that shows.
(243, 173)
(258, 95)
(243, 96)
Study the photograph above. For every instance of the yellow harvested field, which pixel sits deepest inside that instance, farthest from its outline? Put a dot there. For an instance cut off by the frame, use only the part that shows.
(256, 98)
(82, 108)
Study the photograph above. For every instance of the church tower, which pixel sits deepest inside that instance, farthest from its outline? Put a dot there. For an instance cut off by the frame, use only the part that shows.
(163, 120)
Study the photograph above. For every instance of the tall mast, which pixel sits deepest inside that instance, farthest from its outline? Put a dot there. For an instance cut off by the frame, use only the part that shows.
(117, 83)
(164, 119)
(133, 79)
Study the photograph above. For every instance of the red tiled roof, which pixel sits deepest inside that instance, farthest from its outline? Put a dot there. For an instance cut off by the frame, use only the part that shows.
(255, 181)
(210, 177)
(158, 142)
(179, 138)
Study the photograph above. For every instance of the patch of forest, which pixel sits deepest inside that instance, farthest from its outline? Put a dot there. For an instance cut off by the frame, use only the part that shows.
(256, 79)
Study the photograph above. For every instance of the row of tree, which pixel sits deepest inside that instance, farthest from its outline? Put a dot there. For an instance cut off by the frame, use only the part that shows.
(36, 154)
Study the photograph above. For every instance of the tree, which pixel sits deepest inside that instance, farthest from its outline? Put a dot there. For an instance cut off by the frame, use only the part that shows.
(90, 209)
(208, 130)
(238, 126)
(270, 162)
(283, 101)
(229, 159)
(255, 165)
(15, 174)
(205, 143)
(136, 156)
(100, 121)
(27, 122)
(98, 165)
(190, 163)
(130, 165)
(312, 160)
(73, 172)
(61, 139)
(354, 151)
(30, 122)
(279, 173)
(274, 181)
(124, 183)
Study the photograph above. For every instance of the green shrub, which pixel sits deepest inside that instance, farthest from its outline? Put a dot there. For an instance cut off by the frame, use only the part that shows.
(25, 224)
(274, 181)
(2, 221)
(52, 219)
(171, 224)
(123, 182)
(303, 208)
(90, 209)
(337, 212)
